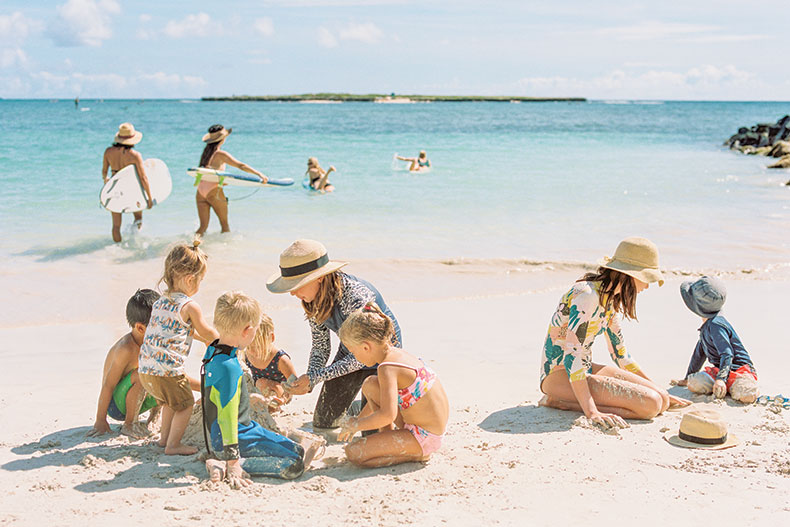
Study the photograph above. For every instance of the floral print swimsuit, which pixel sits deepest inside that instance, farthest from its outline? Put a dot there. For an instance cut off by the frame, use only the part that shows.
(580, 318)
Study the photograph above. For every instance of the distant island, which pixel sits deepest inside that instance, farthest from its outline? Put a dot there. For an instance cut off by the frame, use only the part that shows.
(388, 99)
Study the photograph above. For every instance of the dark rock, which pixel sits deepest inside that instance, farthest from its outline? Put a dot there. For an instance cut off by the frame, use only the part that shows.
(782, 163)
(780, 149)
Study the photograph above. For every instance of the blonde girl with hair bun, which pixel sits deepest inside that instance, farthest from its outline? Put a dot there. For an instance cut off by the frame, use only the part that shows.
(405, 400)
(175, 319)
(270, 367)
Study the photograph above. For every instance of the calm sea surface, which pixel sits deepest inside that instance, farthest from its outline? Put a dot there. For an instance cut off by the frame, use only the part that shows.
(537, 181)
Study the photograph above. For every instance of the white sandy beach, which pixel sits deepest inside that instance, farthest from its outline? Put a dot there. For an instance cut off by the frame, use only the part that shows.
(504, 460)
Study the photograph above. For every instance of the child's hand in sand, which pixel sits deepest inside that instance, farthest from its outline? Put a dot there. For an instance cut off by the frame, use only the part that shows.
(136, 431)
(237, 478)
(608, 420)
(348, 429)
(99, 429)
(719, 389)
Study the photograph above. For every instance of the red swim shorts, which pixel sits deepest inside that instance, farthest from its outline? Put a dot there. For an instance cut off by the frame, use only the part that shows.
(734, 374)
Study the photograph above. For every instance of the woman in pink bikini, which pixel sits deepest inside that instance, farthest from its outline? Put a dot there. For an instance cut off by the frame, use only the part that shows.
(406, 401)
(210, 195)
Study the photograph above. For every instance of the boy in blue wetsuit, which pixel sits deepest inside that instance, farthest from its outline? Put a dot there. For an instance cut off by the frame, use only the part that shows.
(238, 446)
(732, 370)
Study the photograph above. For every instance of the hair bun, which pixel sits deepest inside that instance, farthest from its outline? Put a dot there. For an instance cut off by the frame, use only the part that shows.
(196, 243)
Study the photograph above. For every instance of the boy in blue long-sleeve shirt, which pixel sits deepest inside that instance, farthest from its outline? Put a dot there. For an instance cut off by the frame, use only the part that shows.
(732, 371)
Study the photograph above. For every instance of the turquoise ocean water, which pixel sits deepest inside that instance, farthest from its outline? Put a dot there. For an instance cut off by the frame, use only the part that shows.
(536, 181)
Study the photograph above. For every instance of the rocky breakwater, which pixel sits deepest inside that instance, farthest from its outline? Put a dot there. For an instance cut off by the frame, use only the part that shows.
(772, 140)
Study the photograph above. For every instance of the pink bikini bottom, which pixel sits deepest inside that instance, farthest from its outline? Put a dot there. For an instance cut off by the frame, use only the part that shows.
(429, 442)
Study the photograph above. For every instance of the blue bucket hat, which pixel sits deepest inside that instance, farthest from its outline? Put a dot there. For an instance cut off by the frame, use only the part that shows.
(705, 297)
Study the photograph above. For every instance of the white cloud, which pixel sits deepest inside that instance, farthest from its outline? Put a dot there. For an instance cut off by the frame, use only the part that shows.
(714, 39)
(144, 18)
(264, 26)
(12, 57)
(199, 25)
(651, 30)
(702, 82)
(326, 38)
(158, 84)
(83, 22)
(16, 27)
(368, 33)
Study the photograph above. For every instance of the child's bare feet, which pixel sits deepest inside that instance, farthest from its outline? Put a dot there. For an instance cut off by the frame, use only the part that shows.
(135, 431)
(216, 470)
(180, 450)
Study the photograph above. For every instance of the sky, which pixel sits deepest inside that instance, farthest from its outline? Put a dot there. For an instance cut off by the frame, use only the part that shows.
(669, 50)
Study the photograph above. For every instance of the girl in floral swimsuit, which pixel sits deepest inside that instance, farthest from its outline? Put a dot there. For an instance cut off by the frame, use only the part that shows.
(405, 400)
(595, 305)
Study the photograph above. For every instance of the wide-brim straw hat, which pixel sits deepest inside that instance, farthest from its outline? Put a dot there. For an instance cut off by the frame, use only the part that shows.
(219, 135)
(703, 429)
(304, 261)
(127, 135)
(636, 257)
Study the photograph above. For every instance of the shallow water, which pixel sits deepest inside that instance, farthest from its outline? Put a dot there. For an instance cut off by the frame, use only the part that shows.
(557, 182)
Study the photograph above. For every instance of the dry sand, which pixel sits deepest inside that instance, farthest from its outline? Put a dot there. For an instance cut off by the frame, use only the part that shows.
(504, 461)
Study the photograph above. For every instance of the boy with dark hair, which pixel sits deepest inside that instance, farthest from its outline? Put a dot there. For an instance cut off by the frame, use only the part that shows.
(121, 396)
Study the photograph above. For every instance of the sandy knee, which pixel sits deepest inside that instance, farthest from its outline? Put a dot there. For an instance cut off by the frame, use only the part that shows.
(354, 451)
(700, 383)
(652, 405)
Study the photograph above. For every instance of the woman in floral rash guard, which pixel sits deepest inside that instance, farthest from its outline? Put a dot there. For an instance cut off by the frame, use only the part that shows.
(595, 305)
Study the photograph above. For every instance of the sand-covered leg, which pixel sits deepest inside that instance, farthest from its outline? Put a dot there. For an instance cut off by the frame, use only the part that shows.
(745, 389)
(390, 447)
(177, 428)
(164, 430)
(700, 383)
(614, 395)
(617, 373)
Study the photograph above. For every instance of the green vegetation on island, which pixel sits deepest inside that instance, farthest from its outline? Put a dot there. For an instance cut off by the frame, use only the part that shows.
(392, 98)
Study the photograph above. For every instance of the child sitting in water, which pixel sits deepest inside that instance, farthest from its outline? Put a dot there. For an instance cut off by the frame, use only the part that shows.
(238, 445)
(732, 369)
(121, 396)
(270, 367)
(168, 339)
(319, 178)
(405, 399)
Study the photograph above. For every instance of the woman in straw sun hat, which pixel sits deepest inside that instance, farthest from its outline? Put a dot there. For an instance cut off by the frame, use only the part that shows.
(210, 195)
(328, 297)
(594, 305)
(121, 154)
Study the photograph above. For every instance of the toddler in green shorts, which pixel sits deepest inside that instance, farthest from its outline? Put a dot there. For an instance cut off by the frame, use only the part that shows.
(121, 395)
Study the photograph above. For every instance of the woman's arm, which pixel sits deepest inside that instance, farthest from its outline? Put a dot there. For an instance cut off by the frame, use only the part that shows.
(225, 157)
(617, 349)
(105, 167)
(138, 163)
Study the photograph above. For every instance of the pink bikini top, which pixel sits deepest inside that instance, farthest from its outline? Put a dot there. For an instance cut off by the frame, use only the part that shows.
(407, 397)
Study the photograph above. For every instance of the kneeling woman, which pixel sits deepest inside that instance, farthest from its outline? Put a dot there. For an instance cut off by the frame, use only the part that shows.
(594, 305)
(328, 297)
(405, 400)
